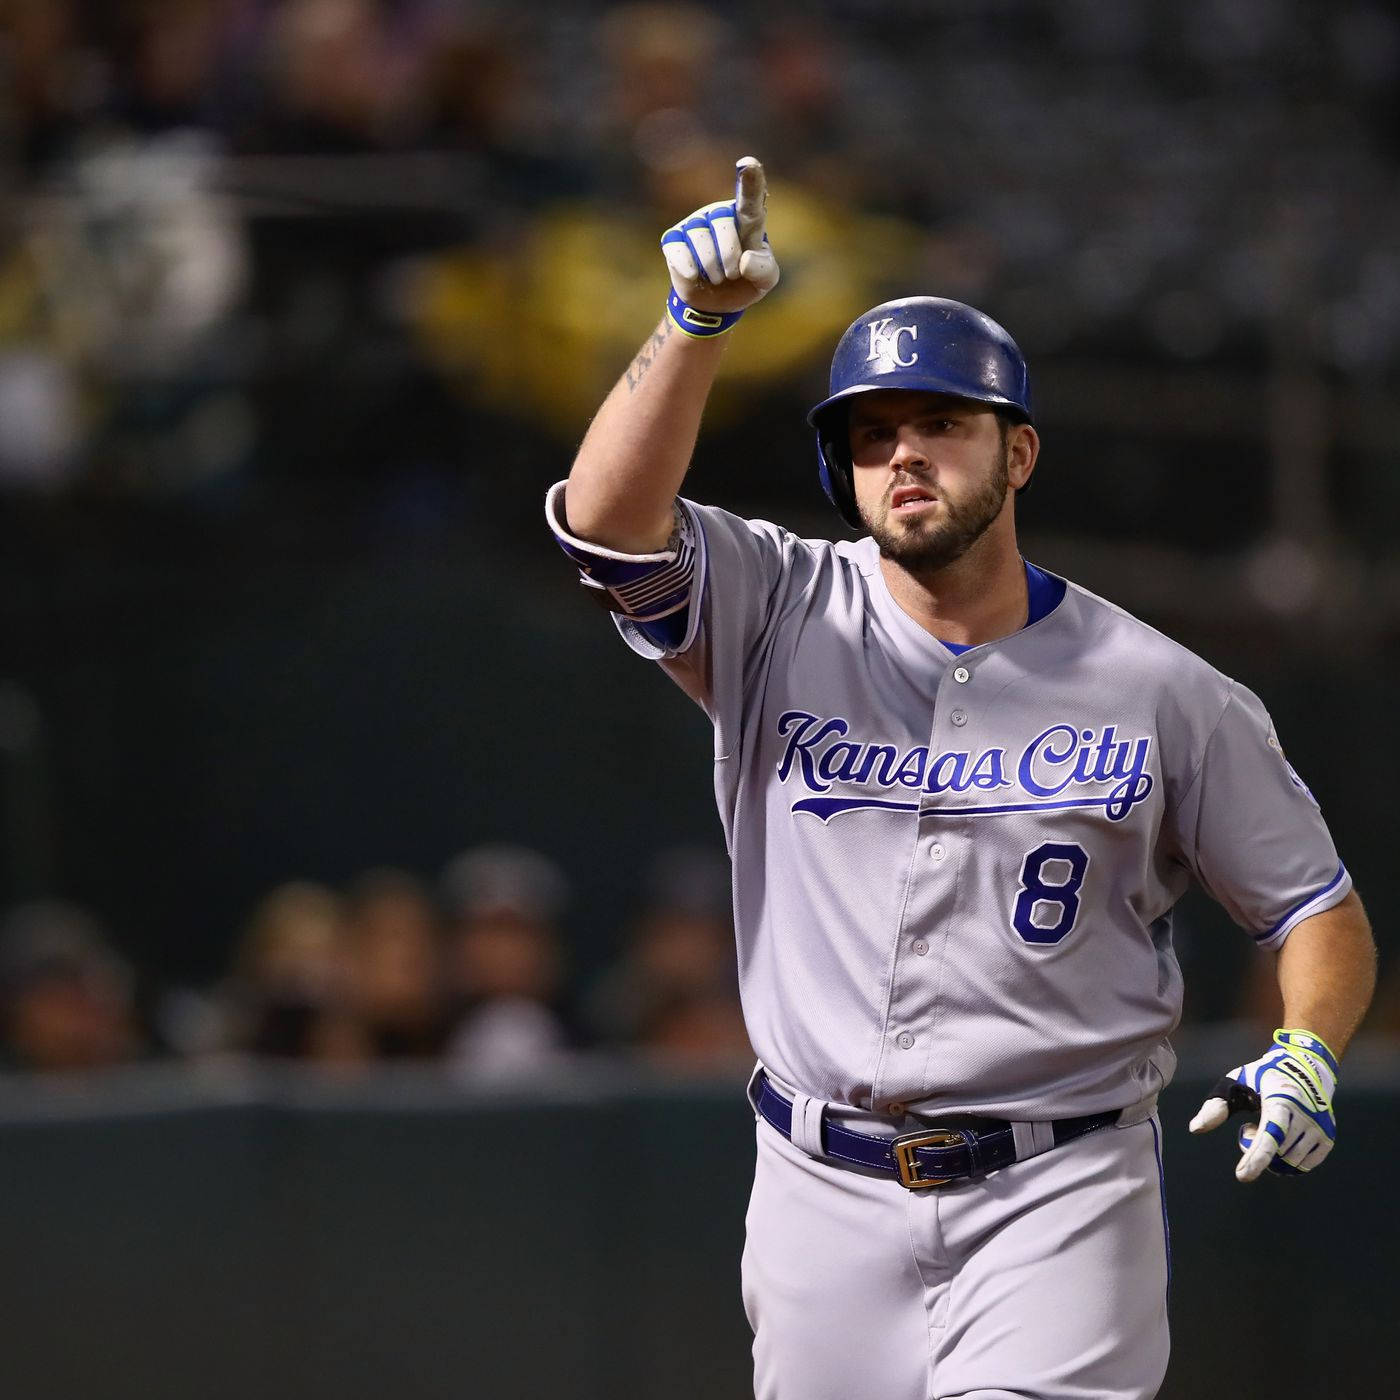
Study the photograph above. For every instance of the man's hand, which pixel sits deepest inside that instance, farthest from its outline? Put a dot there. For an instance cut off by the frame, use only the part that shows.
(719, 258)
(1291, 1089)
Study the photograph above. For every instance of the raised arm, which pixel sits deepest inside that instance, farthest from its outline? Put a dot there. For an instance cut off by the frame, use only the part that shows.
(638, 448)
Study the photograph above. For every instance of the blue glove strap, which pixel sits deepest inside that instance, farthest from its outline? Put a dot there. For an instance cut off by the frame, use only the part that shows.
(699, 324)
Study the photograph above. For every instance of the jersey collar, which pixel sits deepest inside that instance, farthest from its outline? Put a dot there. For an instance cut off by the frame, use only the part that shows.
(1046, 593)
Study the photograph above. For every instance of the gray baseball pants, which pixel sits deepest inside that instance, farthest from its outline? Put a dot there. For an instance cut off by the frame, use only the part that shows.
(1046, 1280)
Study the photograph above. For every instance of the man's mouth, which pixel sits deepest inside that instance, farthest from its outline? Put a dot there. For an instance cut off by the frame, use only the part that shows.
(909, 500)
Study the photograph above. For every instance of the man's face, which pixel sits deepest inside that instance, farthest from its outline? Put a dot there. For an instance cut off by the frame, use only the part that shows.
(931, 474)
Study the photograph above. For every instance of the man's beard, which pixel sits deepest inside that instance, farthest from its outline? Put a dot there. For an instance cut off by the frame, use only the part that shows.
(925, 548)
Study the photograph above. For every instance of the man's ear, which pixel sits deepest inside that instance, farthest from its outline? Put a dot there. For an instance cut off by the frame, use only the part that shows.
(1022, 449)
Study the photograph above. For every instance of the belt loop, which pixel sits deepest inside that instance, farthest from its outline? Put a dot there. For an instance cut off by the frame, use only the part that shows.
(807, 1124)
(1032, 1139)
(1138, 1112)
(751, 1089)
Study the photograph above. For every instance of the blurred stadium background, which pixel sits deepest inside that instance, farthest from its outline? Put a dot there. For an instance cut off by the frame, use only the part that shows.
(365, 981)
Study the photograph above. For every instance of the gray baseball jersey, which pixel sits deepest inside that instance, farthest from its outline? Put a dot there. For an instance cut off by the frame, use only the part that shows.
(954, 873)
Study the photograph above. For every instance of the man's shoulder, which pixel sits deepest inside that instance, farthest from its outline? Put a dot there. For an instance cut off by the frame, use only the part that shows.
(1127, 641)
(812, 551)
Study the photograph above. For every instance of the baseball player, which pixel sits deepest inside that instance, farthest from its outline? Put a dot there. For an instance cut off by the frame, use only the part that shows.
(961, 797)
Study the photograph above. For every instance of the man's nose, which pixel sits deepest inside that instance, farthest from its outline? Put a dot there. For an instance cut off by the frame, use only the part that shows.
(908, 454)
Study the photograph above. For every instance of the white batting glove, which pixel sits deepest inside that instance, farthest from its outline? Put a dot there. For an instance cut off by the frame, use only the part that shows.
(1290, 1088)
(719, 259)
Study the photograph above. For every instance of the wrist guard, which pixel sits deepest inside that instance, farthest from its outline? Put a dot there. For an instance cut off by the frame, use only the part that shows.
(700, 325)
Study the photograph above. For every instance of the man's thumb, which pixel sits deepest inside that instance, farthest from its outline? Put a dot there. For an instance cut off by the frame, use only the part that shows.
(1211, 1114)
(759, 266)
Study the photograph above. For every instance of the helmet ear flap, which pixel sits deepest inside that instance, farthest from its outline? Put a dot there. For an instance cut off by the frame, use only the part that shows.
(835, 466)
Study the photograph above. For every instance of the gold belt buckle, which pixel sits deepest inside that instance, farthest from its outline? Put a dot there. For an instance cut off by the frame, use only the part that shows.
(908, 1163)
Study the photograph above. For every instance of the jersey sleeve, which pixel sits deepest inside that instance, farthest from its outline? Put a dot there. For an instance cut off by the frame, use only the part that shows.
(705, 606)
(745, 572)
(1251, 831)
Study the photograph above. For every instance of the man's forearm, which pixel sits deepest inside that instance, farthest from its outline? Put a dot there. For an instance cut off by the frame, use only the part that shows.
(1327, 973)
(638, 447)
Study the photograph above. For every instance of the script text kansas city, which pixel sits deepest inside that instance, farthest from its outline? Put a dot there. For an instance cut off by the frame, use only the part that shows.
(1059, 763)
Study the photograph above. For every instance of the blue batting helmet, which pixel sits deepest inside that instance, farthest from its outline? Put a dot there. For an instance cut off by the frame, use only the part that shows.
(926, 343)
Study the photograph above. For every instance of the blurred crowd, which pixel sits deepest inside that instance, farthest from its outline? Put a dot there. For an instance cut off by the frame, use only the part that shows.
(471, 971)
(223, 212)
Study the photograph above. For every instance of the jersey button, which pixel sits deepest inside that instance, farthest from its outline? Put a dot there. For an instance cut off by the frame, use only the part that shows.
(962, 675)
(958, 717)
(904, 1040)
(920, 947)
(937, 850)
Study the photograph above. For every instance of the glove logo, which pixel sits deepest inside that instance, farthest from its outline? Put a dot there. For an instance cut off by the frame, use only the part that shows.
(1296, 1073)
(884, 343)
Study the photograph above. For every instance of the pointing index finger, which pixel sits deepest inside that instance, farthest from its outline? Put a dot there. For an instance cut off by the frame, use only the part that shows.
(750, 196)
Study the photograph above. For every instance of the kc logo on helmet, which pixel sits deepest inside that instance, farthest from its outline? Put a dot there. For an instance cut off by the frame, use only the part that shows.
(884, 342)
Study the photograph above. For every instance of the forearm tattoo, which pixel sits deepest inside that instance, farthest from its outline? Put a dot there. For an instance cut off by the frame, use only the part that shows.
(636, 371)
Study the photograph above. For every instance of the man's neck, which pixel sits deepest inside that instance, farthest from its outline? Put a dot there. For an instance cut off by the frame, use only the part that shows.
(975, 599)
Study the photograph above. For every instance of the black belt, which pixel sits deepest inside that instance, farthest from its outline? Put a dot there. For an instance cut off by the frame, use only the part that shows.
(940, 1153)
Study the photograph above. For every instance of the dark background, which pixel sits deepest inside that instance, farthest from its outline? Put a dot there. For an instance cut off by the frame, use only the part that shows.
(299, 328)
(305, 303)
